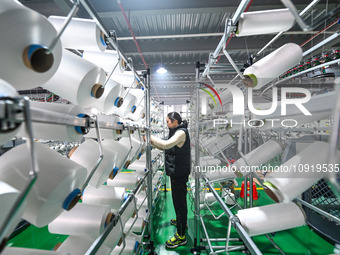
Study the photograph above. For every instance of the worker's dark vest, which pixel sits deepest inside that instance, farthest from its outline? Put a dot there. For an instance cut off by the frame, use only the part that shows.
(178, 160)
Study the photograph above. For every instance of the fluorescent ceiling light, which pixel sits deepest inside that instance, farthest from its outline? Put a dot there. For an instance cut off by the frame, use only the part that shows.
(161, 70)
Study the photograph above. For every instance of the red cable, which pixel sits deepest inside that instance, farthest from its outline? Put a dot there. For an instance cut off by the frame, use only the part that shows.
(330, 25)
(248, 6)
(133, 35)
(135, 40)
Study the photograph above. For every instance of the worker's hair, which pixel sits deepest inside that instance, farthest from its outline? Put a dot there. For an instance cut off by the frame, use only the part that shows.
(175, 116)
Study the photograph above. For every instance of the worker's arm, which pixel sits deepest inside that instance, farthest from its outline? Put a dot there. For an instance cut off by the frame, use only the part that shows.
(177, 139)
(156, 146)
(144, 138)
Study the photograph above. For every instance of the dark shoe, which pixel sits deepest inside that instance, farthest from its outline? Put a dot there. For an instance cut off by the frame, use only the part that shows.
(173, 222)
(176, 241)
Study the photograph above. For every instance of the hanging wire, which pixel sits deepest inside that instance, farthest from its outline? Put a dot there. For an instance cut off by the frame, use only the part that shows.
(245, 40)
(324, 32)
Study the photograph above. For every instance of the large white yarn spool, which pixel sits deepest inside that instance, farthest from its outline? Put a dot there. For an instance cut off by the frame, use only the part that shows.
(25, 60)
(121, 150)
(112, 197)
(81, 34)
(143, 211)
(264, 22)
(26, 251)
(271, 218)
(114, 236)
(106, 133)
(87, 155)
(320, 106)
(208, 198)
(128, 106)
(129, 212)
(140, 151)
(136, 225)
(79, 245)
(8, 196)
(271, 66)
(255, 158)
(56, 188)
(131, 243)
(111, 98)
(138, 166)
(53, 131)
(138, 115)
(106, 60)
(141, 199)
(293, 177)
(218, 173)
(136, 147)
(77, 80)
(138, 93)
(219, 144)
(156, 178)
(127, 78)
(143, 150)
(127, 180)
(82, 220)
(126, 132)
(6, 90)
(259, 156)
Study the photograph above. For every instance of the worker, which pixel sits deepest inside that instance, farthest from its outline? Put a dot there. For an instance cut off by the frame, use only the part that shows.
(177, 166)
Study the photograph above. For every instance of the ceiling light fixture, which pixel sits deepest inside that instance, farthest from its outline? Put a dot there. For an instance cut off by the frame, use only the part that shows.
(161, 70)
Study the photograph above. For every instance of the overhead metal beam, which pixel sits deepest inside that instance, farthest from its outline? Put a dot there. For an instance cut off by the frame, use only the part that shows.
(187, 46)
(196, 9)
(176, 36)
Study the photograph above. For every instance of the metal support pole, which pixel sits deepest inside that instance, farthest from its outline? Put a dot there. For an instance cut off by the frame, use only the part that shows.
(298, 19)
(245, 191)
(94, 15)
(163, 124)
(93, 249)
(318, 210)
(336, 61)
(321, 44)
(240, 9)
(246, 151)
(33, 175)
(235, 223)
(245, 148)
(148, 160)
(250, 191)
(197, 164)
(73, 11)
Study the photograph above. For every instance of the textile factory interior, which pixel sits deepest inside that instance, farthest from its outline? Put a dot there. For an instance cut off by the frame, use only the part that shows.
(169, 127)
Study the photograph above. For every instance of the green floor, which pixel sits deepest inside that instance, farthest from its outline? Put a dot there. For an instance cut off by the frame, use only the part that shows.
(301, 240)
(296, 241)
(37, 238)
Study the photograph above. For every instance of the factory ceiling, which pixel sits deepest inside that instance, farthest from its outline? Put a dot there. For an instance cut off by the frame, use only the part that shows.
(176, 34)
